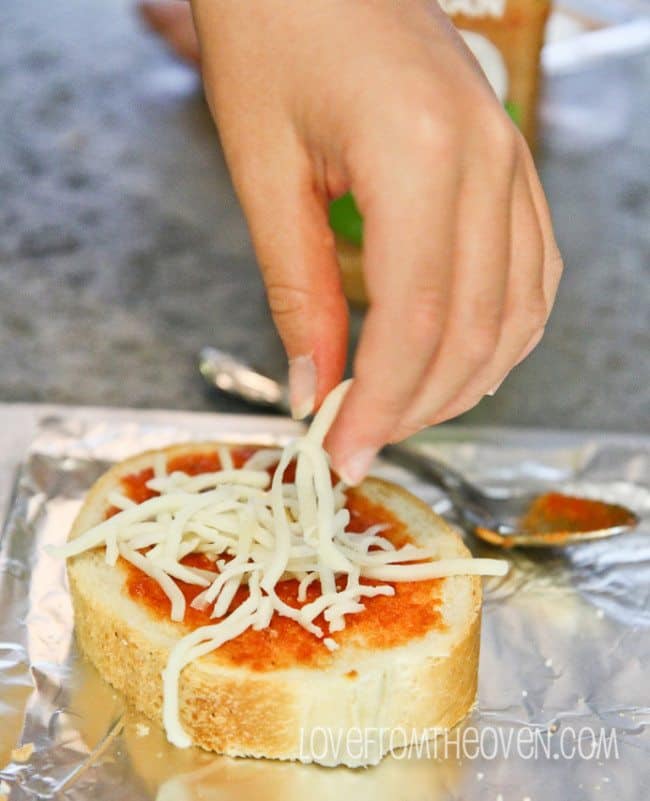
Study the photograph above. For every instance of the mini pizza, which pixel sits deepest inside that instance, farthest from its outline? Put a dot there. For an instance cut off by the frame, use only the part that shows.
(243, 597)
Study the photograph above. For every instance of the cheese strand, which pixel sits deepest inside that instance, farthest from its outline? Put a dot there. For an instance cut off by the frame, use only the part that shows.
(259, 532)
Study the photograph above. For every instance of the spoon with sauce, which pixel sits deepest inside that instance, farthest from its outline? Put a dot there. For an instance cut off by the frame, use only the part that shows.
(548, 520)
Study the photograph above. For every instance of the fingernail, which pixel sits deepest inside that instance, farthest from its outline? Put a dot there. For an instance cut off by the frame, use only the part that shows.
(302, 386)
(532, 343)
(355, 468)
(496, 386)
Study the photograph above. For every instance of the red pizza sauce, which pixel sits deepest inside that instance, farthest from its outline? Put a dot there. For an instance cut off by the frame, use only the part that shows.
(385, 623)
(557, 513)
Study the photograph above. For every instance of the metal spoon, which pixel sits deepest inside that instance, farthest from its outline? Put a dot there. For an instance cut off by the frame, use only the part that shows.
(528, 519)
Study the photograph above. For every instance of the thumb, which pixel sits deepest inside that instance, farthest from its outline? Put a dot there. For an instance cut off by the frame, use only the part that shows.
(297, 256)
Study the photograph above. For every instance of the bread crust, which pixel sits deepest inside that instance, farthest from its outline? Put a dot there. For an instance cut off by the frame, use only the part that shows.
(429, 683)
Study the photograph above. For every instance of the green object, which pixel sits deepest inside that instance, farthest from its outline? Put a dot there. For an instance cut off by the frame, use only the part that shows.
(345, 218)
(514, 111)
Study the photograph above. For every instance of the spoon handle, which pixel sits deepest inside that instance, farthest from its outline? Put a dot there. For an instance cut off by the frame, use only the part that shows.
(461, 492)
(238, 379)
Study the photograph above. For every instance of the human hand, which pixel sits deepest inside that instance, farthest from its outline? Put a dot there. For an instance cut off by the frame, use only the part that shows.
(461, 266)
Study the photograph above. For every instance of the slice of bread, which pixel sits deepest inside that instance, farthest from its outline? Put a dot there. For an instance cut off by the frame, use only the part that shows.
(332, 709)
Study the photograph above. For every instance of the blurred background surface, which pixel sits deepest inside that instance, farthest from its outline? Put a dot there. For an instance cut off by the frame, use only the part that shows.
(123, 249)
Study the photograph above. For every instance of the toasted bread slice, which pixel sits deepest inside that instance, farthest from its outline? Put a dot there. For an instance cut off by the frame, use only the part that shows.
(407, 665)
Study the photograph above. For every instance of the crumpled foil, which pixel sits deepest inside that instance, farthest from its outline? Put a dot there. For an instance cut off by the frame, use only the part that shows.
(565, 641)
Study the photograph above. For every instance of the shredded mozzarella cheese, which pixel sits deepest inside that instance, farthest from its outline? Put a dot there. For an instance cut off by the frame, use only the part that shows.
(258, 536)
(474, 8)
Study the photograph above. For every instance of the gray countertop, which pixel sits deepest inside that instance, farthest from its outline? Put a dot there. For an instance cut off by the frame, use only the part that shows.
(123, 250)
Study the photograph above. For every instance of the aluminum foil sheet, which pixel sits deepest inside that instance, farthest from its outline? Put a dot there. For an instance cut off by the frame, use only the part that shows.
(564, 699)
